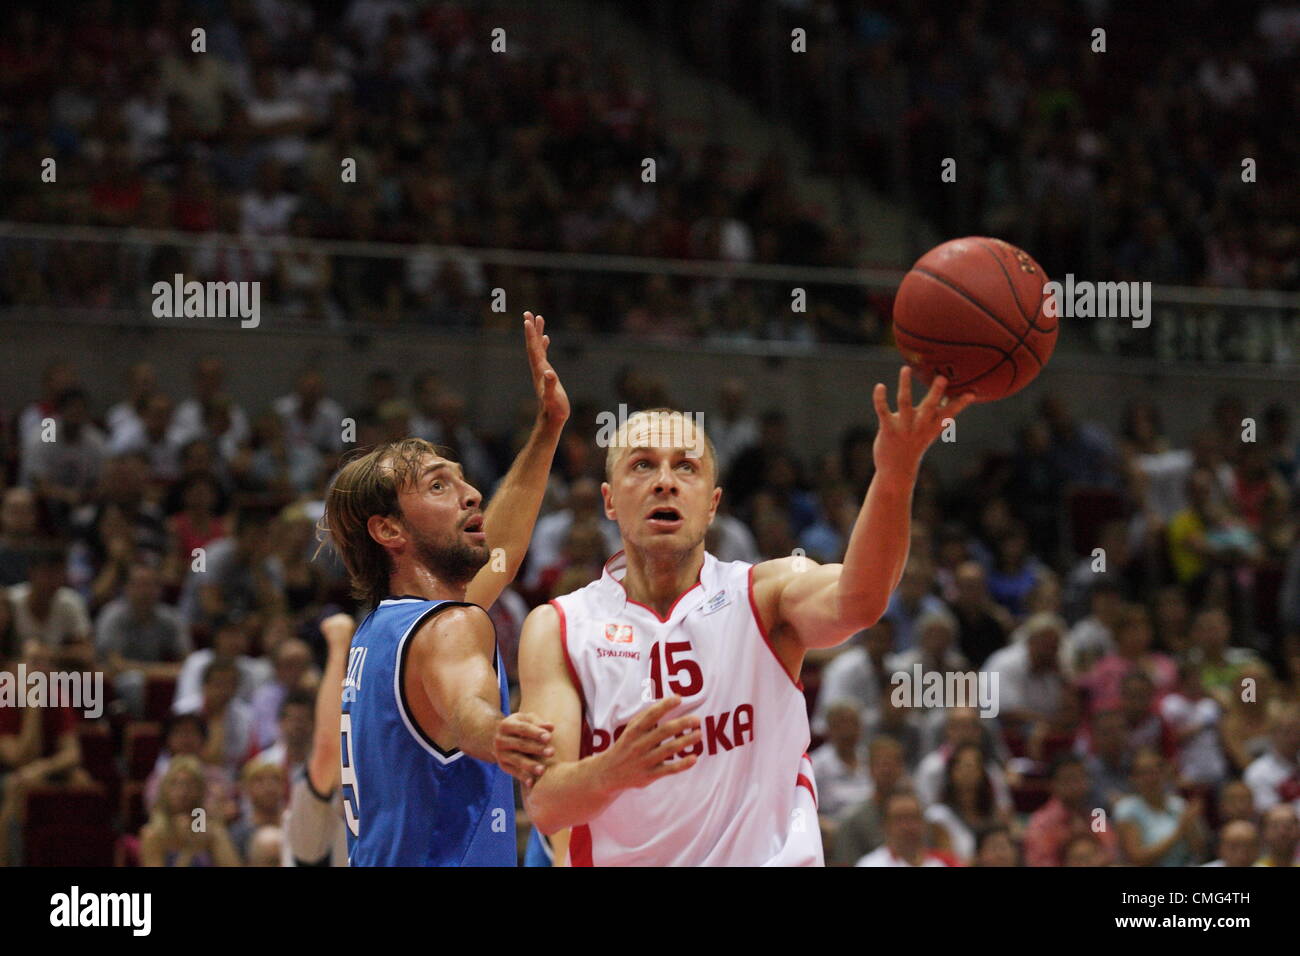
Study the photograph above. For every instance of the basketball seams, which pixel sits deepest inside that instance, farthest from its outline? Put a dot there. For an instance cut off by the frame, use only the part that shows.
(1020, 337)
(1006, 356)
(1015, 294)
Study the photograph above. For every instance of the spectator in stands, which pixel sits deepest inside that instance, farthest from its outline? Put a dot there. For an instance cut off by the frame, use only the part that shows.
(1067, 815)
(583, 506)
(1274, 777)
(858, 674)
(230, 644)
(1109, 762)
(1221, 666)
(292, 663)
(229, 719)
(181, 831)
(239, 578)
(186, 735)
(963, 726)
(966, 806)
(1248, 720)
(292, 745)
(861, 829)
(150, 435)
(935, 650)
(38, 747)
(61, 463)
(49, 612)
(905, 837)
(996, 848)
(732, 429)
(1156, 827)
(1083, 452)
(1032, 686)
(264, 784)
(910, 600)
(1193, 716)
(983, 623)
(197, 525)
(1093, 637)
(137, 636)
(209, 377)
(1281, 837)
(1236, 802)
(1238, 844)
(310, 416)
(1171, 618)
(18, 530)
(1132, 653)
(840, 764)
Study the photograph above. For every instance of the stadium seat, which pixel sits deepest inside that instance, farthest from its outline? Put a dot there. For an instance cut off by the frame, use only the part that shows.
(159, 692)
(142, 742)
(69, 844)
(1087, 509)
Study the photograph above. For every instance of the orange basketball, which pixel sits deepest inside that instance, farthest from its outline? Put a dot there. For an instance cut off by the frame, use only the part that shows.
(972, 310)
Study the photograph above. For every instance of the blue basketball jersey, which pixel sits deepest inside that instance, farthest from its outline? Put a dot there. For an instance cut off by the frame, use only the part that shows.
(406, 801)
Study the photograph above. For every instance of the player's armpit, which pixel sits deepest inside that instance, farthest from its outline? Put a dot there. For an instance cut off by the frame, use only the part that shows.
(451, 661)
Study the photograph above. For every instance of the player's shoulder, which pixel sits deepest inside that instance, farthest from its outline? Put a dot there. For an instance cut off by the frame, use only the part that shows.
(451, 620)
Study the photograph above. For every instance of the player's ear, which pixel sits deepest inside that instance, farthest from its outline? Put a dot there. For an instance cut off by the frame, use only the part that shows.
(383, 529)
(714, 501)
(606, 494)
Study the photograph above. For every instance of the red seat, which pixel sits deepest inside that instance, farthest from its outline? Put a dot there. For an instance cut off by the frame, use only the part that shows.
(97, 756)
(159, 692)
(134, 814)
(69, 844)
(1087, 509)
(142, 742)
(63, 806)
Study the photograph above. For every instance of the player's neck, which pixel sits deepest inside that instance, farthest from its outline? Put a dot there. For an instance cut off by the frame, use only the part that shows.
(657, 581)
(421, 582)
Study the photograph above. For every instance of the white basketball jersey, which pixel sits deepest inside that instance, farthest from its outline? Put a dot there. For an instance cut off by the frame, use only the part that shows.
(750, 799)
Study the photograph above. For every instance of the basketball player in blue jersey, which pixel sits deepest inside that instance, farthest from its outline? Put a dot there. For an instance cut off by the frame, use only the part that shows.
(428, 749)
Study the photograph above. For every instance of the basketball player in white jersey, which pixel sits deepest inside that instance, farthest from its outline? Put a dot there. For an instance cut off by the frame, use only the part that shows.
(714, 771)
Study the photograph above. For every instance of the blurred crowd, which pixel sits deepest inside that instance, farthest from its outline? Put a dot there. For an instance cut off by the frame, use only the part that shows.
(538, 147)
(1136, 593)
(1121, 164)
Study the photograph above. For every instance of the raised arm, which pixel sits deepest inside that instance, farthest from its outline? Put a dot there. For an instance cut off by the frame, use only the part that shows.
(510, 516)
(574, 790)
(806, 604)
(323, 765)
(452, 653)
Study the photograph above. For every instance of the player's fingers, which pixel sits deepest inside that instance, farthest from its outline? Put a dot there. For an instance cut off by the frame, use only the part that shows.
(528, 725)
(959, 404)
(673, 745)
(932, 397)
(671, 728)
(905, 393)
(650, 715)
(521, 745)
(670, 767)
(882, 404)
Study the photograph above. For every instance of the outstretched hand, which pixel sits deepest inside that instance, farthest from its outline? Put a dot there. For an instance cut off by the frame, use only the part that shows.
(552, 401)
(903, 436)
